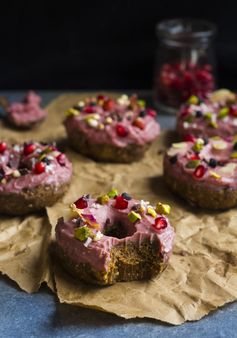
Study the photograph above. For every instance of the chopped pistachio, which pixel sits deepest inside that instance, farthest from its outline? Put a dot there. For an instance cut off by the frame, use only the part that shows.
(141, 103)
(163, 209)
(192, 164)
(234, 155)
(223, 112)
(92, 122)
(180, 145)
(134, 216)
(208, 116)
(108, 120)
(151, 211)
(72, 112)
(214, 175)
(198, 145)
(16, 173)
(104, 199)
(82, 233)
(113, 193)
(213, 124)
(101, 126)
(193, 99)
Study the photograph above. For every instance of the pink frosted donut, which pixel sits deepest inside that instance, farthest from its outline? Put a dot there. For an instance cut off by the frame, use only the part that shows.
(109, 129)
(204, 172)
(32, 175)
(27, 113)
(215, 116)
(111, 239)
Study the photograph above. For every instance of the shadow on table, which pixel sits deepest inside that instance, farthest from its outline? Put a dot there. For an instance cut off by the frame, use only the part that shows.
(70, 315)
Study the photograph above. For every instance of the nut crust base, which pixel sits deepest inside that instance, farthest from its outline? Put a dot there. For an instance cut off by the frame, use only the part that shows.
(30, 200)
(128, 263)
(106, 152)
(201, 195)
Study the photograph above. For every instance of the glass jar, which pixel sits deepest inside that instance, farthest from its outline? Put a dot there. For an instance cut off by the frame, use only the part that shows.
(185, 62)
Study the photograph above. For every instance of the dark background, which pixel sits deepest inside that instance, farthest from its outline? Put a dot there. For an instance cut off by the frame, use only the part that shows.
(100, 44)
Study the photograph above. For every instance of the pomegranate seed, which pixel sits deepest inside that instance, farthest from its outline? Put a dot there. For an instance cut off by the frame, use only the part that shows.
(121, 203)
(101, 98)
(188, 79)
(233, 111)
(109, 105)
(189, 138)
(160, 223)
(139, 123)
(203, 76)
(121, 130)
(194, 157)
(151, 112)
(199, 171)
(89, 109)
(39, 167)
(61, 158)
(3, 147)
(29, 149)
(81, 203)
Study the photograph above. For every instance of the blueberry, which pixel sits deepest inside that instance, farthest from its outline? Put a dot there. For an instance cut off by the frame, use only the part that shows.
(126, 196)
(199, 113)
(142, 113)
(46, 160)
(212, 163)
(173, 159)
(2, 174)
(235, 146)
(77, 108)
(205, 139)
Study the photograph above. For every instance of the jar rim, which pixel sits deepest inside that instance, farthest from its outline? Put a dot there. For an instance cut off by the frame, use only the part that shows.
(181, 29)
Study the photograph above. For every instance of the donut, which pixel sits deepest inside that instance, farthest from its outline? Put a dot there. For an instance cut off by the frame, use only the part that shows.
(114, 238)
(215, 116)
(32, 175)
(26, 114)
(109, 129)
(204, 171)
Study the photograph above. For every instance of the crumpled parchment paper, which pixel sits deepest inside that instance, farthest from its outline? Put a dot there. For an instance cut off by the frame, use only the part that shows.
(201, 276)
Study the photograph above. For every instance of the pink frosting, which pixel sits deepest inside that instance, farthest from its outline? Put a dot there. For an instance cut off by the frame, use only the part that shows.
(226, 167)
(97, 254)
(27, 112)
(108, 135)
(189, 123)
(13, 158)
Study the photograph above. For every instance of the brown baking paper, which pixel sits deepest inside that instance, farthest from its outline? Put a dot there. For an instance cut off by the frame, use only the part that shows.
(202, 274)
(24, 244)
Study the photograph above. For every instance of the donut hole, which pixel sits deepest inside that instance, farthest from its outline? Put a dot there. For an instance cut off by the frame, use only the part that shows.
(118, 228)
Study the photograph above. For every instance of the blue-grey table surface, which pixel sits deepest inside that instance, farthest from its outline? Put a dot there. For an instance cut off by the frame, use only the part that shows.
(41, 315)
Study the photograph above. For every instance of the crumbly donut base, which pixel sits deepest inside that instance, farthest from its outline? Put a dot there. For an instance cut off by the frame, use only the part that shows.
(106, 152)
(30, 200)
(25, 126)
(200, 195)
(127, 263)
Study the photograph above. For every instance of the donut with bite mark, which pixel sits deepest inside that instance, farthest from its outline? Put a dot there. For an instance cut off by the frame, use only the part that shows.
(114, 238)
